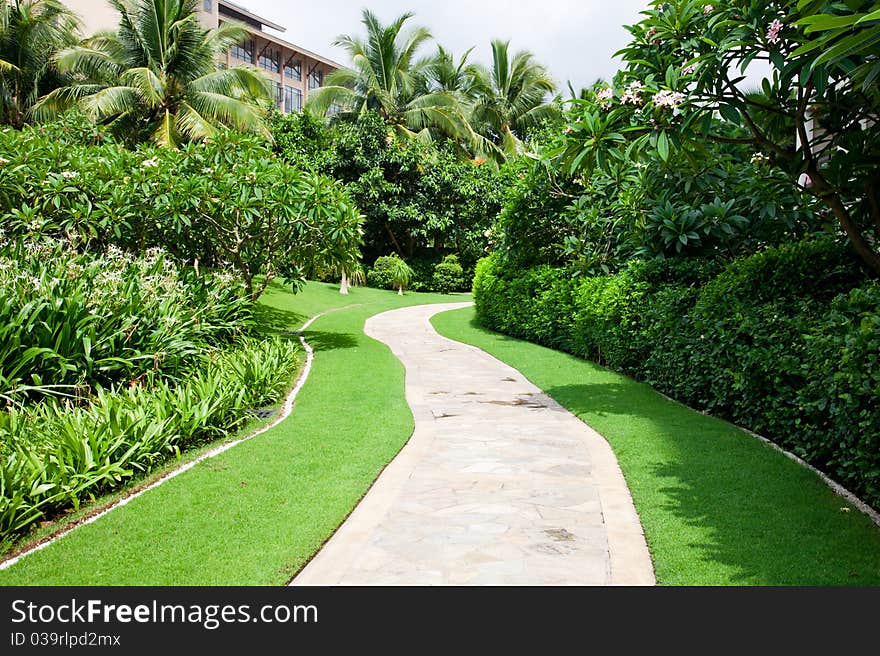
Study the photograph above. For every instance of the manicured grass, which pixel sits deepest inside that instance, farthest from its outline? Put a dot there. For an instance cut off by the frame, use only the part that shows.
(718, 506)
(255, 514)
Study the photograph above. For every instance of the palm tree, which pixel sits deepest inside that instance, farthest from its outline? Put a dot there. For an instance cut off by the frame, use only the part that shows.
(31, 31)
(441, 72)
(157, 77)
(385, 79)
(401, 274)
(511, 99)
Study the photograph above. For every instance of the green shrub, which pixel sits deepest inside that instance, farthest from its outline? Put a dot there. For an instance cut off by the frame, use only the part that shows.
(384, 271)
(229, 203)
(423, 273)
(785, 342)
(56, 455)
(449, 276)
(71, 321)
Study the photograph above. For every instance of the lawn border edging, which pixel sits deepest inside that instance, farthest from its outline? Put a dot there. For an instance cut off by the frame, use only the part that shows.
(286, 410)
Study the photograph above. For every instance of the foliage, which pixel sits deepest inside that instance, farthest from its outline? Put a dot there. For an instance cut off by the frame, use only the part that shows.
(389, 272)
(227, 203)
(485, 112)
(717, 201)
(31, 31)
(509, 100)
(842, 33)
(383, 80)
(55, 456)
(71, 322)
(449, 276)
(419, 201)
(816, 117)
(781, 342)
(156, 78)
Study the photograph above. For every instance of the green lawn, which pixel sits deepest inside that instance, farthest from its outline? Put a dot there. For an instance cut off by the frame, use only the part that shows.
(718, 506)
(255, 514)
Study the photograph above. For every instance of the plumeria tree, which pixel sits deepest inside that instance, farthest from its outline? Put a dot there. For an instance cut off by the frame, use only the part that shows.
(689, 79)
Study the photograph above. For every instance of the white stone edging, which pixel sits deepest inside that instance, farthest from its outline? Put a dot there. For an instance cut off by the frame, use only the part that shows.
(285, 412)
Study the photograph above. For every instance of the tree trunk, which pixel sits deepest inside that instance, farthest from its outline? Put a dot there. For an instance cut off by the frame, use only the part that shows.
(827, 195)
(343, 286)
(400, 290)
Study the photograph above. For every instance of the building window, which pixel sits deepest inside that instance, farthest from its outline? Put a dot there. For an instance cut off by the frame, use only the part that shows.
(293, 70)
(293, 99)
(244, 51)
(279, 97)
(316, 79)
(270, 60)
(208, 5)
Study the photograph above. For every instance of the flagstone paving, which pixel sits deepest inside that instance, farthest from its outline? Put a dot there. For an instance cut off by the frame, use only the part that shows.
(499, 484)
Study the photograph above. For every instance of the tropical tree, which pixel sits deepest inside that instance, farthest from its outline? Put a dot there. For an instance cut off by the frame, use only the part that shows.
(31, 31)
(443, 72)
(817, 117)
(384, 78)
(401, 274)
(511, 99)
(157, 77)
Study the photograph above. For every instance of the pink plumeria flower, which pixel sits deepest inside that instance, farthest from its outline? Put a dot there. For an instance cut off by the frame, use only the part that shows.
(632, 93)
(773, 31)
(687, 70)
(708, 9)
(665, 98)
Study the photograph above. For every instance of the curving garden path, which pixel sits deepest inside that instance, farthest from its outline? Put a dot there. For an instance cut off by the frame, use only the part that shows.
(499, 484)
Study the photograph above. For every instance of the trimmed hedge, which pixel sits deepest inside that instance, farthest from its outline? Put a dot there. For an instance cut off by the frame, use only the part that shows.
(785, 342)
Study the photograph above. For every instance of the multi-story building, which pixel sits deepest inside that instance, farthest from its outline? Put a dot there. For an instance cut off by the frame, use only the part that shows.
(294, 70)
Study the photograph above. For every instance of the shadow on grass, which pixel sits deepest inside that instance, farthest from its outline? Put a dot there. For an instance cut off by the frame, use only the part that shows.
(327, 341)
(765, 519)
(272, 321)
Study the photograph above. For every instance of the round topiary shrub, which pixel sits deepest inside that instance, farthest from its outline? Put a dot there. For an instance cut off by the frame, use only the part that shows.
(390, 272)
(449, 276)
(380, 276)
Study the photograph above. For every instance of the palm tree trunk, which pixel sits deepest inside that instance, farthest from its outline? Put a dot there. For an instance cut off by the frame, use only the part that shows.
(400, 290)
(343, 286)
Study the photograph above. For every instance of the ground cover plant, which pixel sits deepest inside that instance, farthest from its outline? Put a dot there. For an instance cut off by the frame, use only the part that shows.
(718, 506)
(255, 514)
(75, 321)
(112, 364)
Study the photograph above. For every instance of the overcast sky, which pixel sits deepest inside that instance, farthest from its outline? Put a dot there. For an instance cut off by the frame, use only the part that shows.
(573, 38)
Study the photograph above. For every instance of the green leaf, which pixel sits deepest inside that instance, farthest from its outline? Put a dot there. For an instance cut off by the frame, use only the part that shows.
(730, 112)
(663, 146)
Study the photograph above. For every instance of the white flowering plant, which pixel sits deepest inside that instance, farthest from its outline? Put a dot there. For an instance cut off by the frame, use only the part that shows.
(689, 80)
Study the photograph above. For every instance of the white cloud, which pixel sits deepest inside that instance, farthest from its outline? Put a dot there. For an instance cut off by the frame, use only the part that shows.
(574, 39)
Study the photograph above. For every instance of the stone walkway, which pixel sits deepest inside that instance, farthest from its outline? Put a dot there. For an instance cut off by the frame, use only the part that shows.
(498, 485)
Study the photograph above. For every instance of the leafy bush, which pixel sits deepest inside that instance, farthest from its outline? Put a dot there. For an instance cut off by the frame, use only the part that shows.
(449, 276)
(782, 342)
(228, 203)
(420, 200)
(381, 276)
(54, 456)
(72, 321)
